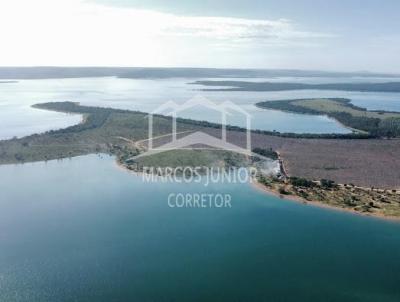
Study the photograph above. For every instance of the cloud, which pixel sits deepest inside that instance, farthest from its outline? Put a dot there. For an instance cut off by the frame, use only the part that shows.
(76, 32)
(237, 28)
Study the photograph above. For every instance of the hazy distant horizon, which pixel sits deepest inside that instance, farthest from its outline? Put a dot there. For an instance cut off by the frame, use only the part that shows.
(302, 35)
(42, 72)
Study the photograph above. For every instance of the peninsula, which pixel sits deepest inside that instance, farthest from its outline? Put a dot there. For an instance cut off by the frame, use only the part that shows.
(377, 123)
(355, 174)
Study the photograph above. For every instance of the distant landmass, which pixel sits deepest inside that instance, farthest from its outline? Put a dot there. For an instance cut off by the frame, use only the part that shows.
(274, 86)
(7, 82)
(143, 73)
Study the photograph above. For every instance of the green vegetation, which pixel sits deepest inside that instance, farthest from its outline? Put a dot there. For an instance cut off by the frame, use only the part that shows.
(118, 132)
(100, 132)
(357, 135)
(266, 153)
(376, 123)
(301, 182)
(359, 199)
(190, 158)
(113, 131)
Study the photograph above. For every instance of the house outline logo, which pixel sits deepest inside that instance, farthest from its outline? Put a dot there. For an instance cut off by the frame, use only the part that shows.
(172, 109)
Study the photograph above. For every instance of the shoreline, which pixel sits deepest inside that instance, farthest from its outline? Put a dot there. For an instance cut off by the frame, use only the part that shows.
(84, 116)
(256, 185)
(294, 198)
(291, 198)
(318, 197)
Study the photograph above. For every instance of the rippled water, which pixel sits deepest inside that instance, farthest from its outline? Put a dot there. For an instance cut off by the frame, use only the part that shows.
(86, 230)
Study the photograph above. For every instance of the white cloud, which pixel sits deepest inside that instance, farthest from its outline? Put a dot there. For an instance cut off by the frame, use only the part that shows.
(74, 32)
(237, 28)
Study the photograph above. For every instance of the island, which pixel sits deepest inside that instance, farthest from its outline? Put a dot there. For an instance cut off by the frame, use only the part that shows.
(355, 173)
(282, 86)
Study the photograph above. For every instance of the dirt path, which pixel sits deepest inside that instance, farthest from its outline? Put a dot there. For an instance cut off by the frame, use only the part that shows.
(139, 144)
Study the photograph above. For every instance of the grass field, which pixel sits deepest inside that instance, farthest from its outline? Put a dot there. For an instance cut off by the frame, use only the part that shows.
(332, 105)
(194, 158)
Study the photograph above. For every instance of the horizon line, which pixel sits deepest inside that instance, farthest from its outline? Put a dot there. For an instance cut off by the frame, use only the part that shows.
(204, 68)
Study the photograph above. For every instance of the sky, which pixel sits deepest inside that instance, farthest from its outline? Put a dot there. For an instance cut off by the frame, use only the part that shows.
(340, 35)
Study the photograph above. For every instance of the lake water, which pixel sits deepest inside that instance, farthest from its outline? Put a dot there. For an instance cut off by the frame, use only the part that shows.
(18, 119)
(86, 230)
